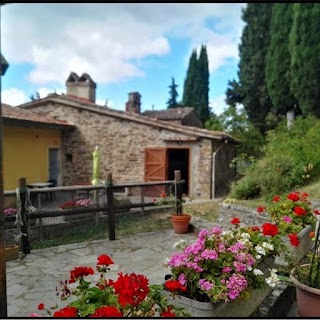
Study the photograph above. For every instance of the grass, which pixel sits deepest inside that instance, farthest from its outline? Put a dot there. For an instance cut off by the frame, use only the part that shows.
(126, 224)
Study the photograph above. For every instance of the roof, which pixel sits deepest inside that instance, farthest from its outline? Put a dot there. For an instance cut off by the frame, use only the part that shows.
(14, 114)
(130, 116)
(168, 114)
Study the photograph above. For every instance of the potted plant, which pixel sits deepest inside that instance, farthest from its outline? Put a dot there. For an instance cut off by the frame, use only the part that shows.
(295, 219)
(73, 204)
(130, 295)
(180, 220)
(223, 273)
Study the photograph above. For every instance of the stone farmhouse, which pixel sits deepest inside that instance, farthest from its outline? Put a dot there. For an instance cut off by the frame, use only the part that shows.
(135, 146)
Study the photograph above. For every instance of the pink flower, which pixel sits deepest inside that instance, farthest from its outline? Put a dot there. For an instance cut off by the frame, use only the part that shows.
(226, 270)
(205, 285)
(208, 254)
(216, 230)
(182, 279)
(287, 219)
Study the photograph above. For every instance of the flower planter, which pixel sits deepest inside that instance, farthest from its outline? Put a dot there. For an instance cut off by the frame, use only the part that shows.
(297, 253)
(308, 298)
(12, 252)
(180, 223)
(236, 308)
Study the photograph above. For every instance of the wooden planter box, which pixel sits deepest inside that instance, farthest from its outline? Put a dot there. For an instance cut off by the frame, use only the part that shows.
(236, 308)
(12, 252)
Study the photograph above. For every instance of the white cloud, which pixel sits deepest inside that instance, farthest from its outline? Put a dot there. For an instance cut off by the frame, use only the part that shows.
(218, 105)
(109, 40)
(14, 97)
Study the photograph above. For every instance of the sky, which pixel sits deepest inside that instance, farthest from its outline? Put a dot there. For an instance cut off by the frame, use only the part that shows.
(123, 47)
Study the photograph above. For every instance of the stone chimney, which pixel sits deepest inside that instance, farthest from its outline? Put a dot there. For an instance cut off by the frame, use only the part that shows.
(134, 103)
(83, 87)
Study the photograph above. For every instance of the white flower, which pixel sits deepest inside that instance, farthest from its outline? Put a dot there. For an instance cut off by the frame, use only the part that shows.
(267, 246)
(245, 235)
(180, 244)
(258, 257)
(273, 280)
(249, 268)
(165, 261)
(260, 250)
(227, 233)
(257, 272)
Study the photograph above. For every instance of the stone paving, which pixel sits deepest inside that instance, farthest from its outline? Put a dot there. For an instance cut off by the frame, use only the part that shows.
(33, 278)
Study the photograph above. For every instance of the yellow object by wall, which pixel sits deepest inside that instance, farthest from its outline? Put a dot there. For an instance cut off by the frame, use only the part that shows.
(26, 154)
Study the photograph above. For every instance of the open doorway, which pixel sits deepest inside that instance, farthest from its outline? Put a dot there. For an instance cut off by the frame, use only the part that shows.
(178, 159)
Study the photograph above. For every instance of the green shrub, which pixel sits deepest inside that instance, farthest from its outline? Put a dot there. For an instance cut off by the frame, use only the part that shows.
(291, 160)
(245, 188)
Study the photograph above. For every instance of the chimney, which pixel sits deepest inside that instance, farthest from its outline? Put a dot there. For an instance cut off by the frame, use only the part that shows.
(83, 87)
(133, 104)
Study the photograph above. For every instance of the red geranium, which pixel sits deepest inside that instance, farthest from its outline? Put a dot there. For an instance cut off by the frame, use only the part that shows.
(300, 211)
(174, 285)
(41, 306)
(294, 196)
(235, 221)
(317, 212)
(261, 209)
(168, 313)
(131, 289)
(104, 260)
(67, 312)
(269, 229)
(78, 272)
(294, 240)
(107, 311)
(276, 199)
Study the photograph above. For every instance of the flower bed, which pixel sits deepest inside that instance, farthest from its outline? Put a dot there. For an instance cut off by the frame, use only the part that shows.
(130, 295)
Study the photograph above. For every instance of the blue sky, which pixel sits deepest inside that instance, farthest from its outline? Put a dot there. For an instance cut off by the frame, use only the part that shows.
(123, 47)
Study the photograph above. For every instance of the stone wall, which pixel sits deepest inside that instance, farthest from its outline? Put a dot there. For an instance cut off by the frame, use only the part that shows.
(122, 144)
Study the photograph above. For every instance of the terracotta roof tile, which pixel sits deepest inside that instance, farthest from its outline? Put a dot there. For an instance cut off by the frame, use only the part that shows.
(168, 114)
(16, 113)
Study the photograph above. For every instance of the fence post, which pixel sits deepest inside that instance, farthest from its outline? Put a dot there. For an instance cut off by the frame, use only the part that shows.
(178, 191)
(25, 246)
(111, 221)
(142, 198)
(40, 219)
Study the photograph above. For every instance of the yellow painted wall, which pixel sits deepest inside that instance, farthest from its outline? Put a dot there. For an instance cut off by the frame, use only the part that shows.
(26, 152)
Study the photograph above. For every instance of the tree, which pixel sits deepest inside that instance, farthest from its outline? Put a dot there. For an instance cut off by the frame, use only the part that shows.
(278, 70)
(189, 93)
(172, 102)
(203, 82)
(234, 93)
(196, 85)
(253, 50)
(304, 47)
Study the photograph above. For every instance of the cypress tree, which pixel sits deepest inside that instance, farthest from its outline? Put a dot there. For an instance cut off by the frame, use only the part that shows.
(253, 50)
(279, 60)
(304, 46)
(172, 102)
(203, 85)
(189, 89)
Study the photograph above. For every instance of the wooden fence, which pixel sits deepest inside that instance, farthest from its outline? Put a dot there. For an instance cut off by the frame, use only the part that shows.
(107, 205)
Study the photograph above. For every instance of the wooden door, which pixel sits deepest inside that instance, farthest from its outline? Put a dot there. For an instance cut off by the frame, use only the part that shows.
(155, 170)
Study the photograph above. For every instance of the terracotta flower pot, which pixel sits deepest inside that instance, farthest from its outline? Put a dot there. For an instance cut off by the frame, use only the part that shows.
(308, 298)
(180, 223)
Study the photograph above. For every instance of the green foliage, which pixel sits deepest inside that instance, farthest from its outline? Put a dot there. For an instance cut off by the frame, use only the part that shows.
(196, 84)
(291, 160)
(172, 102)
(304, 46)
(278, 59)
(253, 50)
(234, 121)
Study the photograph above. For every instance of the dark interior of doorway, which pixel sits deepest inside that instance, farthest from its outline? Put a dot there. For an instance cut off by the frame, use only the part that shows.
(178, 159)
